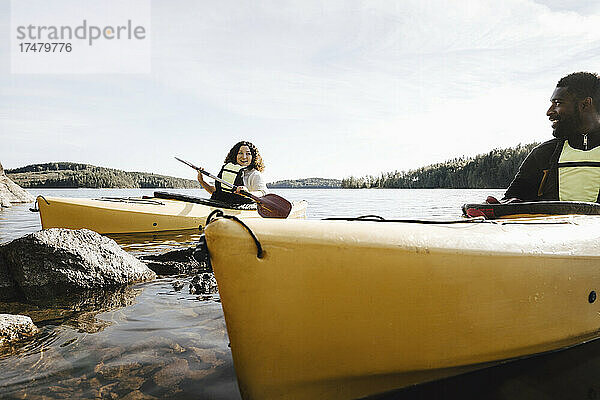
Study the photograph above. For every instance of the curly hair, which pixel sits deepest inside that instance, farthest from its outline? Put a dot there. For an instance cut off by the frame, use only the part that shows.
(582, 85)
(257, 161)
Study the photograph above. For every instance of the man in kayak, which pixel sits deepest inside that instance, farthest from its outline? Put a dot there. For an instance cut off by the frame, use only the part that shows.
(565, 168)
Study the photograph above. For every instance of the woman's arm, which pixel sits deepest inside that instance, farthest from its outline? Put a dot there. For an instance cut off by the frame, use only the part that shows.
(255, 183)
(209, 188)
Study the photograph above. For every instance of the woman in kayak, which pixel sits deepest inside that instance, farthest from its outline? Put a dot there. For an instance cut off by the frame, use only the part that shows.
(242, 168)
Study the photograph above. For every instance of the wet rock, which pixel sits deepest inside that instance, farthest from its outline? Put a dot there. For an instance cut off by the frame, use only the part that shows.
(177, 285)
(137, 395)
(188, 261)
(77, 311)
(108, 391)
(204, 284)
(177, 262)
(11, 193)
(208, 356)
(172, 374)
(61, 262)
(8, 288)
(15, 327)
(174, 262)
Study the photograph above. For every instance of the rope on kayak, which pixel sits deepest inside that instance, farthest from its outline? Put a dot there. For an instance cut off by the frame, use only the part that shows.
(131, 200)
(35, 207)
(220, 214)
(370, 217)
(377, 218)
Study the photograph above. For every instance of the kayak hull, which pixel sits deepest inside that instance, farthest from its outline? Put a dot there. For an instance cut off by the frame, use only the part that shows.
(348, 309)
(109, 215)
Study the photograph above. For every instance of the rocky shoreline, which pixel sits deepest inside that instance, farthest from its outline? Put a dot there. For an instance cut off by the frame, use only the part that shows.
(11, 193)
(81, 271)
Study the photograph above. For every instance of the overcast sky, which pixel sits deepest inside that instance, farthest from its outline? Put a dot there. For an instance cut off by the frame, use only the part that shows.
(323, 88)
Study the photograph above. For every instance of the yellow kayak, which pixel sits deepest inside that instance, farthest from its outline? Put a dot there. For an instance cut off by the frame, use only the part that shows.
(346, 309)
(128, 215)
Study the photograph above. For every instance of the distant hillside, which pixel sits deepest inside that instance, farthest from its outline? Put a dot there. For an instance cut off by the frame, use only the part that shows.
(495, 169)
(73, 175)
(307, 183)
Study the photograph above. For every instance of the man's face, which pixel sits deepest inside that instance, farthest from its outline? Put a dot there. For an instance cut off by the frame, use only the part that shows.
(564, 114)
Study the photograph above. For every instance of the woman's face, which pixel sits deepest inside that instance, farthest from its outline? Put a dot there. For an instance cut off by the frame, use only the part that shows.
(244, 156)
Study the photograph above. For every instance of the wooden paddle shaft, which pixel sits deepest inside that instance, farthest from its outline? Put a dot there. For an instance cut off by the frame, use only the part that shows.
(216, 178)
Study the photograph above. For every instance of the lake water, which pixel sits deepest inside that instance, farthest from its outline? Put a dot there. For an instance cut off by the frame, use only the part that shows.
(162, 342)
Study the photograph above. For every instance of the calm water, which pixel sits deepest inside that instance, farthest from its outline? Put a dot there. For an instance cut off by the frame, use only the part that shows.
(154, 340)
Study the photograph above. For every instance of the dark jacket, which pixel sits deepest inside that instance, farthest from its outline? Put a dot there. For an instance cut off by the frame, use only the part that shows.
(537, 178)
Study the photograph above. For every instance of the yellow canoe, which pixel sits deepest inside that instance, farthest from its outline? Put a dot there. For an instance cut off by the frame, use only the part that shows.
(345, 309)
(129, 215)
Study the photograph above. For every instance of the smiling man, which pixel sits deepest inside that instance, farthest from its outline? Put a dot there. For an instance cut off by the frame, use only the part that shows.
(566, 168)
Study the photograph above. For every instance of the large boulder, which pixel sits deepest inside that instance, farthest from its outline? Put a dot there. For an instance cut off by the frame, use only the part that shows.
(63, 262)
(10, 192)
(14, 328)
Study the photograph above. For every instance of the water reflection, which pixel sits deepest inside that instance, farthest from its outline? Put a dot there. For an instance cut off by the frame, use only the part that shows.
(78, 311)
(149, 243)
(165, 344)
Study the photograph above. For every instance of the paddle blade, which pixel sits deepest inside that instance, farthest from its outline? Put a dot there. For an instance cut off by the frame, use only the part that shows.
(273, 206)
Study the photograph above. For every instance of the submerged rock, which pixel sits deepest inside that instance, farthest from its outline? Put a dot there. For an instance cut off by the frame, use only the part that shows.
(10, 192)
(60, 262)
(77, 311)
(204, 284)
(187, 261)
(15, 327)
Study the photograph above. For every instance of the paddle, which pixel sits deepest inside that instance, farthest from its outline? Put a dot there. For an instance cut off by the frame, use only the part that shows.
(269, 205)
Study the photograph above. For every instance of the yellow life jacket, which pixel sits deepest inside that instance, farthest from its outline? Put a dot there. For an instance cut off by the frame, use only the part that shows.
(231, 173)
(578, 174)
(234, 174)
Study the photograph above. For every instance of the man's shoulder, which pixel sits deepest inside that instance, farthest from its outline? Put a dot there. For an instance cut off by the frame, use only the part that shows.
(547, 144)
(546, 148)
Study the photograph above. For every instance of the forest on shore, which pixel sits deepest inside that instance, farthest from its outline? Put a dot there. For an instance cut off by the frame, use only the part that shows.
(306, 183)
(74, 175)
(495, 169)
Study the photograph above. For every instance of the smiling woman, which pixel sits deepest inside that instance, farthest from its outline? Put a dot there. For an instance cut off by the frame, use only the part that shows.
(242, 168)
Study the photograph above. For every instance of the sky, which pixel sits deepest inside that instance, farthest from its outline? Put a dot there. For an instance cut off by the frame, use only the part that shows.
(323, 88)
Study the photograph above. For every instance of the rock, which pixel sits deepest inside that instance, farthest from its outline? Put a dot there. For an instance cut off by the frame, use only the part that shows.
(8, 288)
(10, 192)
(204, 284)
(79, 311)
(174, 262)
(15, 327)
(137, 395)
(172, 374)
(188, 261)
(61, 262)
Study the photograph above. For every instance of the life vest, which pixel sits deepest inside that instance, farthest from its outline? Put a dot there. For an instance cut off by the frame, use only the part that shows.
(234, 174)
(579, 174)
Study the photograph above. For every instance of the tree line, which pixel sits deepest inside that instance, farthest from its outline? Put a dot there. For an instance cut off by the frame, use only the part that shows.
(306, 183)
(495, 169)
(74, 175)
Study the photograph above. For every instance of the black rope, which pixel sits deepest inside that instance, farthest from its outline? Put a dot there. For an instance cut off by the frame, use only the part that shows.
(219, 214)
(376, 218)
(371, 217)
(35, 207)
